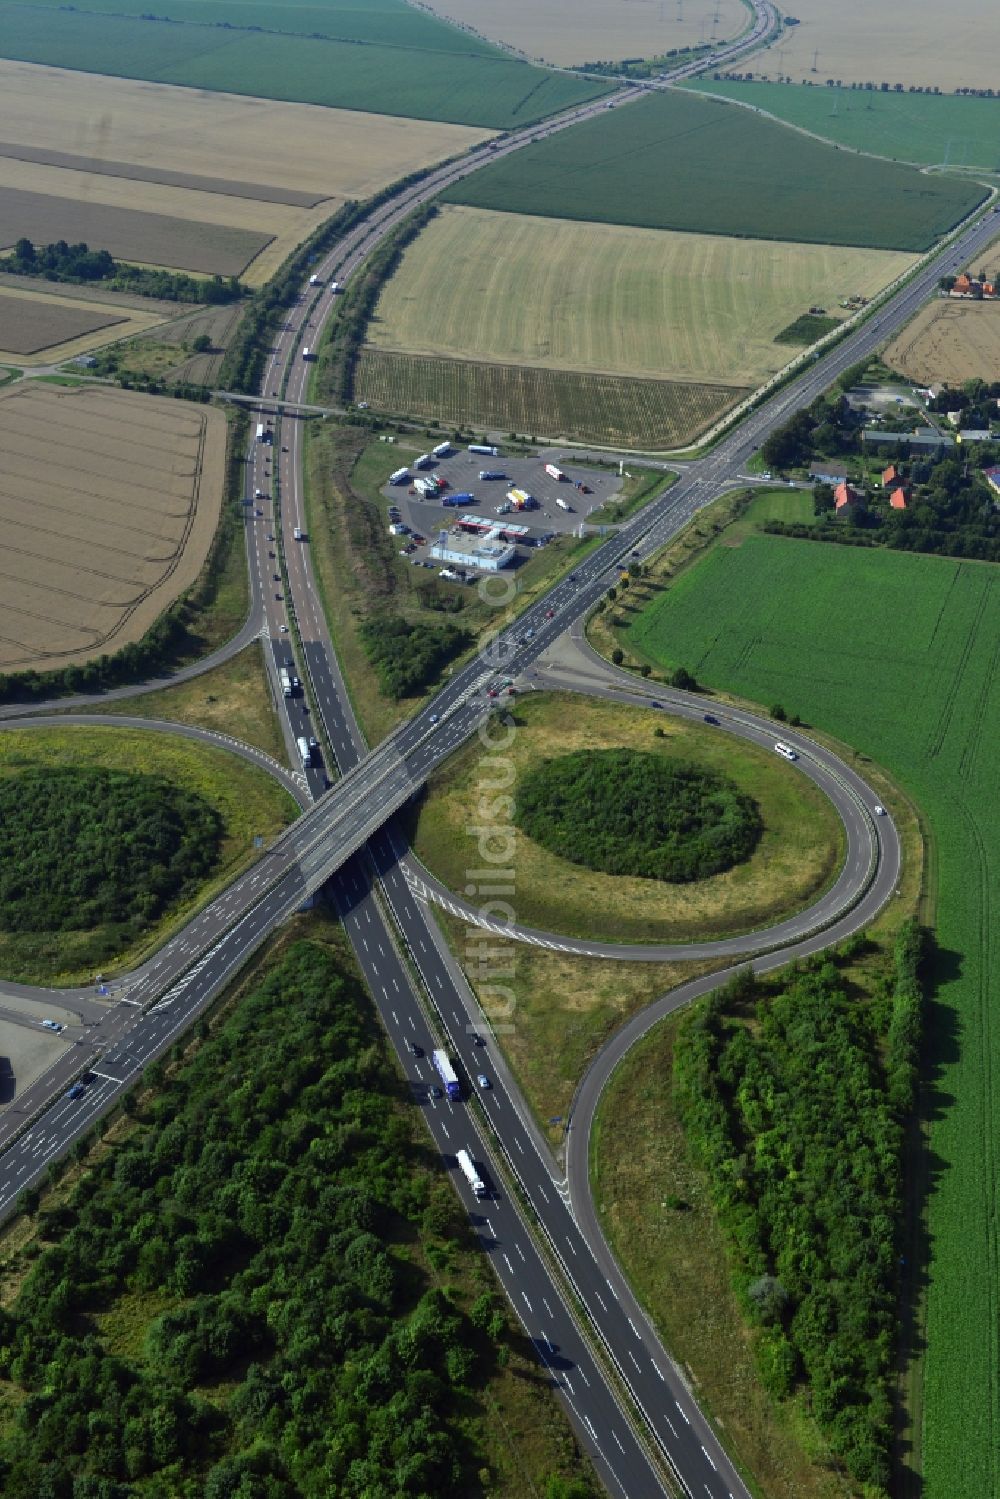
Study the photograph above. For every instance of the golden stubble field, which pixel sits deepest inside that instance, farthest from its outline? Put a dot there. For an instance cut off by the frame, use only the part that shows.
(188, 178)
(554, 294)
(577, 31)
(949, 342)
(110, 500)
(916, 42)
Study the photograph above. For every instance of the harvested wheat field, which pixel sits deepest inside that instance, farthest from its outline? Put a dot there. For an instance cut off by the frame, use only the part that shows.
(577, 31)
(190, 180)
(611, 299)
(918, 43)
(109, 502)
(949, 342)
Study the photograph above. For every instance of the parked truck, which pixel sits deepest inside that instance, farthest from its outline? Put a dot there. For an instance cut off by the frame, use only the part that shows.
(554, 472)
(563, 504)
(521, 499)
(442, 450)
(482, 447)
(467, 1166)
(492, 473)
(446, 1073)
(401, 476)
(424, 461)
(458, 499)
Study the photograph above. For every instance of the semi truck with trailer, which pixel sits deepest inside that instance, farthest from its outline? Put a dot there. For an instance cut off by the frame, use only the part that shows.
(521, 499)
(442, 450)
(458, 499)
(305, 751)
(260, 432)
(334, 288)
(400, 476)
(492, 473)
(307, 353)
(467, 1166)
(424, 461)
(284, 677)
(315, 280)
(446, 1073)
(563, 504)
(554, 472)
(482, 447)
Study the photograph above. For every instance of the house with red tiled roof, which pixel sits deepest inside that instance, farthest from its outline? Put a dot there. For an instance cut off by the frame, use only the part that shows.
(890, 476)
(898, 498)
(962, 286)
(847, 498)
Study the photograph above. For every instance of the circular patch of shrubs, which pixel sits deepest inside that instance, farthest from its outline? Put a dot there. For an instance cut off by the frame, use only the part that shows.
(85, 847)
(622, 811)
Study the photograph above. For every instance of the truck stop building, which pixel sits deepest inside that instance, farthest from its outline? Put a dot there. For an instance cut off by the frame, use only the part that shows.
(488, 553)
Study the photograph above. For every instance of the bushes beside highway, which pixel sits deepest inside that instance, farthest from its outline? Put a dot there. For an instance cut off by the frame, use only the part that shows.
(624, 812)
(408, 657)
(240, 1298)
(794, 1107)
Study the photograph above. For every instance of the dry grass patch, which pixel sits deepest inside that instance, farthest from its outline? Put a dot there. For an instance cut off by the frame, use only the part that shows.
(607, 298)
(564, 1010)
(576, 31)
(111, 501)
(234, 699)
(893, 42)
(799, 852)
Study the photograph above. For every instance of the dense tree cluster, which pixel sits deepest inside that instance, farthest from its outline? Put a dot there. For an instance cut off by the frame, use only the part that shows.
(268, 1204)
(85, 847)
(625, 812)
(60, 261)
(408, 657)
(793, 1102)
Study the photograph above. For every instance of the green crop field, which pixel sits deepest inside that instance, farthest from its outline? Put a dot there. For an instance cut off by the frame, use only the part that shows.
(928, 128)
(678, 161)
(653, 414)
(898, 656)
(421, 72)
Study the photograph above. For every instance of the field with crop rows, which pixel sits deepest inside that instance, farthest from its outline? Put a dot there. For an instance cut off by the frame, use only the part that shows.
(568, 32)
(609, 409)
(192, 181)
(29, 325)
(925, 128)
(406, 64)
(110, 502)
(612, 299)
(919, 46)
(913, 680)
(678, 161)
(950, 342)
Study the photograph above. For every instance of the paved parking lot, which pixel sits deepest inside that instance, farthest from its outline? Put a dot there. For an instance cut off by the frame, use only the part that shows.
(461, 471)
(24, 1055)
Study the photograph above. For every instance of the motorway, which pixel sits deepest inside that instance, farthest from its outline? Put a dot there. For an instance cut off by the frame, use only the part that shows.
(348, 842)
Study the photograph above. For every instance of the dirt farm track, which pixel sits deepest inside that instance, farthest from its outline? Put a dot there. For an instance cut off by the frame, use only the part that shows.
(109, 502)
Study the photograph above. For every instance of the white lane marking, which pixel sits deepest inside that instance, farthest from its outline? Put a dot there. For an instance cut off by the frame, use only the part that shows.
(510, 1267)
(527, 1302)
(673, 1428)
(582, 1374)
(618, 1444)
(680, 1408)
(635, 1360)
(520, 1251)
(590, 1427)
(633, 1326)
(395, 1017)
(709, 1461)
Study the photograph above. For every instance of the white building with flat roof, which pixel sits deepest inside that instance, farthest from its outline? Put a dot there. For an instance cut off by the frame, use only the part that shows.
(488, 553)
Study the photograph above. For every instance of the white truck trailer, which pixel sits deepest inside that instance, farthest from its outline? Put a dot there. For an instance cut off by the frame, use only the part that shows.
(315, 280)
(483, 447)
(400, 476)
(467, 1166)
(563, 504)
(442, 450)
(554, 472)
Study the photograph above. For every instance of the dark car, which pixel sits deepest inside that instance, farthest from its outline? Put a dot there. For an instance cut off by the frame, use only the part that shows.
(711, 718)
(417, 1051)
(75, 1091)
